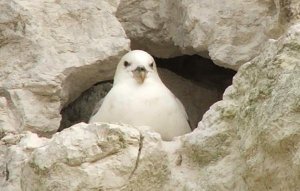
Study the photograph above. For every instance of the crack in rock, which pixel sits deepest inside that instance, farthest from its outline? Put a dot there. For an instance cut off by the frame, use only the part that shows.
(6, 172)
(138, 156)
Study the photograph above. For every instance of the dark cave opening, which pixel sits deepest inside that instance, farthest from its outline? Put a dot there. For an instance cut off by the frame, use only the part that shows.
(202, 82)
(81, 109)
(198, 69)
(195, 80)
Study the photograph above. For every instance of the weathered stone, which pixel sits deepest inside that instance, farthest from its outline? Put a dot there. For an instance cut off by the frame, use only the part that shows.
(51, 51)
(229, 32)
(16, 152)
(253, 134)
(97, 157)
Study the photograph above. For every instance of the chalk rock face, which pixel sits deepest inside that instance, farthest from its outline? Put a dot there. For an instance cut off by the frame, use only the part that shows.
(250, 140)
(51, 51)
(88, 157)
(229, 32)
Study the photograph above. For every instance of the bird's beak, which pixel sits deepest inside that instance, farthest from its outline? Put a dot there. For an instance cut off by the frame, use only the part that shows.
(140, 74)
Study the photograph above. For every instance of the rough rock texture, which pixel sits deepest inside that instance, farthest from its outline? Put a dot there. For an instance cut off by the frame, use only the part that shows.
(49, 51)
(88, 157)
(250, 140)
(229, 32)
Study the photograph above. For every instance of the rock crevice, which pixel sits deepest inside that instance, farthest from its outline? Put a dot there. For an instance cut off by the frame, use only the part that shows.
(138, 155)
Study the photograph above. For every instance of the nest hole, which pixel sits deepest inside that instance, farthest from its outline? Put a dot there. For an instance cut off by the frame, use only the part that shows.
(195, 80)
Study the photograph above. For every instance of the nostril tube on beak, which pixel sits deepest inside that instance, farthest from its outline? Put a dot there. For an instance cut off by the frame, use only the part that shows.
(141, 68)
(140, 74)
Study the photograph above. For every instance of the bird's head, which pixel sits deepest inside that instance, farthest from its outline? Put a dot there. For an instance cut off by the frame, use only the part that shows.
(136, 66)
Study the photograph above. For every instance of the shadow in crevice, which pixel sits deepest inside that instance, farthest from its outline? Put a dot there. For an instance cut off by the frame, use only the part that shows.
(83, 107)
(196, 81)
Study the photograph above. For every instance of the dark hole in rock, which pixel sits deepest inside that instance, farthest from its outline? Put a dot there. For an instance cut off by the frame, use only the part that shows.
(83, 107)
(195, 80)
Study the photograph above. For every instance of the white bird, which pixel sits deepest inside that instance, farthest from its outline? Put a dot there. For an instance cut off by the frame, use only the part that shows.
(139, 98)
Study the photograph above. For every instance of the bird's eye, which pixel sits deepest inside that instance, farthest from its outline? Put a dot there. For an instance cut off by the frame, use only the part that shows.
(151, 65)
(126, 64)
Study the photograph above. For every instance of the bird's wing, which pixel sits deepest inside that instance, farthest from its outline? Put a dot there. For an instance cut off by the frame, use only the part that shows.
(183, 110)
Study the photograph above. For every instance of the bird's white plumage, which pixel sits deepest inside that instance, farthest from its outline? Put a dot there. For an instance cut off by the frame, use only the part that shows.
(142, 103)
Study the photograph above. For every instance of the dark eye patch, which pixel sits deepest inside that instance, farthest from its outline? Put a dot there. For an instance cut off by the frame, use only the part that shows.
(151, 65)
(126, 64)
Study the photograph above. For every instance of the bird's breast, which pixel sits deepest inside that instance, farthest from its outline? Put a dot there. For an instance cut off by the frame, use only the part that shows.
(155, 107)
(140, 98)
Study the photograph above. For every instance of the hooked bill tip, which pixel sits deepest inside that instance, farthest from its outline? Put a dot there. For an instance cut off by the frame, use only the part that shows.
(140, 75)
